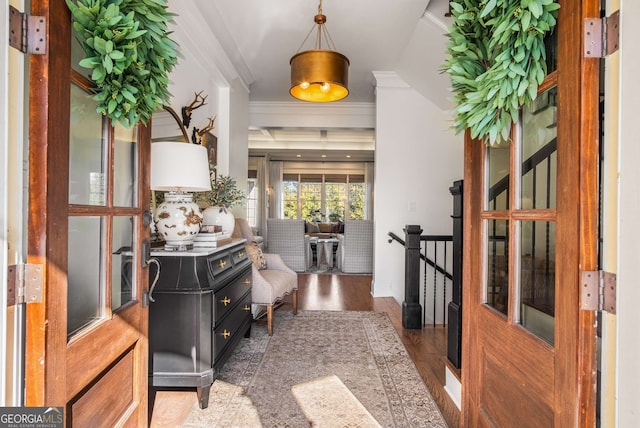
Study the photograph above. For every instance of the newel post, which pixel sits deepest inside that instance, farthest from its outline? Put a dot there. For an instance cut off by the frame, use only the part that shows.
(411, 308)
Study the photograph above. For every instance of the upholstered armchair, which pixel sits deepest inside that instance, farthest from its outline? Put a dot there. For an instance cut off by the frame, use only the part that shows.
(272, 284)
(355, 248)
(286, 237)
(242, 229)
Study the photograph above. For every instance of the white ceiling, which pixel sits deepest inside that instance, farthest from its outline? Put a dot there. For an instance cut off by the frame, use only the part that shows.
(260, 36)
(331, 145)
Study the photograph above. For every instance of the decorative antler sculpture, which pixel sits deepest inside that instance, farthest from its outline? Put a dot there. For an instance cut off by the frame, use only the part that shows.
(197, 102)
(196, 136)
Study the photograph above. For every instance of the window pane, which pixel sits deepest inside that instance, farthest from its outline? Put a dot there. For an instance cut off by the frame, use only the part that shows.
(252, 201)
(87, 178)
(539, 152)
(356, 200)
(85, 274)
(498, 177)
(497, 265)
(311, 201)
(125, 166)
(290, 198)
(537, 277)
(123, 262)
(336, 197)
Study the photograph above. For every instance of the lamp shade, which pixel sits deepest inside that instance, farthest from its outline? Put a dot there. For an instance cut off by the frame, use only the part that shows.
(177, 166)
(319, 76)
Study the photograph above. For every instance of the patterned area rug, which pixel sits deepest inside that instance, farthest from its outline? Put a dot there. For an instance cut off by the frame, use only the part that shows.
(362, 349)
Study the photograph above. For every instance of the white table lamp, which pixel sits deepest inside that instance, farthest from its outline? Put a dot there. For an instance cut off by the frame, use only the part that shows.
(177, 168)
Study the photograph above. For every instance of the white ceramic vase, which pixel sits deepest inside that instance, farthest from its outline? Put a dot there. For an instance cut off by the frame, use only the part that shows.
(220, 216)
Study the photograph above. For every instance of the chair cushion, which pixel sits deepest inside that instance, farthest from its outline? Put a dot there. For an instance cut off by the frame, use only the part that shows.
(255, 254)
(281, 282)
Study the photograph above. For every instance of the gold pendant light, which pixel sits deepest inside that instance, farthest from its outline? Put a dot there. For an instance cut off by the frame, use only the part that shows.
(319, 75)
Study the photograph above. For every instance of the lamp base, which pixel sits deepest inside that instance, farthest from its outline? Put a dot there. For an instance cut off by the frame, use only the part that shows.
(178, 220)
(179, 247)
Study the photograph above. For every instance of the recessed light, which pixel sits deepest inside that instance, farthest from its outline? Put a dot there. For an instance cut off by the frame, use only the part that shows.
(348, 156)
(324, 156)
(298, 156)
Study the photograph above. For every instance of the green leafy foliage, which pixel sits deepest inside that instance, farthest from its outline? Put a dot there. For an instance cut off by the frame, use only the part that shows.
(496, 60)
(224, 191)
(129, 52)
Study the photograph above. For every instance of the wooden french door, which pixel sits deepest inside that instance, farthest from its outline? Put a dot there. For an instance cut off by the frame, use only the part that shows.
(87, 341)
(531, 226)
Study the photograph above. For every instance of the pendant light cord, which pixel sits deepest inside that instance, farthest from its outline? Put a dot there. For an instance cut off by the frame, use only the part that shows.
(322, 29)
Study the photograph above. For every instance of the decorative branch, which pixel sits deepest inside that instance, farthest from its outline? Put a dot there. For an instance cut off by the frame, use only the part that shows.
(179, 122)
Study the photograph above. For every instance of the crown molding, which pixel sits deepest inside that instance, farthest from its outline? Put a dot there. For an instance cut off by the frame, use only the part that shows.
(389, 79)
(298, 114)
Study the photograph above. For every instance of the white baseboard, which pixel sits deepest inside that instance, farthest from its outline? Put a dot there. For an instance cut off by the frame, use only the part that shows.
(453, 387)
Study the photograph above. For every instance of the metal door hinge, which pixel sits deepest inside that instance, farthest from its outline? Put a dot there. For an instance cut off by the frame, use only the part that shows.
(25, 284)
(598, 291)
(27, 33)
(601, 35)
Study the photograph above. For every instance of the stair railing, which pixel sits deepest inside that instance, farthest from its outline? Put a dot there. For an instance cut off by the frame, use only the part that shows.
(436, 256)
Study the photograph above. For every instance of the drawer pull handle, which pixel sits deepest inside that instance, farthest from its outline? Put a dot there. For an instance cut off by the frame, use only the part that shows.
(222, 264)
(246, 308)
(226, 334)
(246, 281)
(225, 301)
(240, 255)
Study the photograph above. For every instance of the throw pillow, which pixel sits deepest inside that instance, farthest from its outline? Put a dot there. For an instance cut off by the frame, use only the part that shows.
(255, 254)
(312, 227)
(325, 227)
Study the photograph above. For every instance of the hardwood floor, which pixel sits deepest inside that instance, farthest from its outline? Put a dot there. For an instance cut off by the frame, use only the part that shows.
(426, 347)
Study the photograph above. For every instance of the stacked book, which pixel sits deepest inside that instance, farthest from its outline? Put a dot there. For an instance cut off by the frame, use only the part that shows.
(211, 239)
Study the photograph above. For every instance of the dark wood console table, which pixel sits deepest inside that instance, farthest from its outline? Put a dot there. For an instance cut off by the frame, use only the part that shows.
(201, 308)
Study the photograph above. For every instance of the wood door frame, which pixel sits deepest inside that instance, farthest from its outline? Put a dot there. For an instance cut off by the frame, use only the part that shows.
(576, 220)
(50, 380)
(48, 205)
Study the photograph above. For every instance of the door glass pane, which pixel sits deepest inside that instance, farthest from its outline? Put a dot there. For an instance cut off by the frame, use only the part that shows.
(498, 177)
(77, 54)
(125, 167)
(551, 49)
(85, 274)
(87, 178)
(537, 277)
(122, 261)
(539, 152)
(497, 265)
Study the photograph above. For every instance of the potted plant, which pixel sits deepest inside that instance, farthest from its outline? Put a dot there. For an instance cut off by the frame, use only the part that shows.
(224, 194)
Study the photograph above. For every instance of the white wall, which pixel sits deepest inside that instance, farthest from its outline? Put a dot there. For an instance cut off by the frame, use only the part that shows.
(628, 353)
(204, 66)
(417, 159)
(237, 145)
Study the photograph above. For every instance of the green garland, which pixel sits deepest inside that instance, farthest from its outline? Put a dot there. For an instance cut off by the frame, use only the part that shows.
(496, 60)
(129, 52)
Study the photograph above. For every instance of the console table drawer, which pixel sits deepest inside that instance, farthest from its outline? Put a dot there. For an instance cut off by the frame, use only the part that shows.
(228, 297)
(220, 263)
(232, 327)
